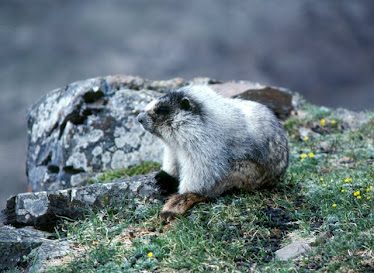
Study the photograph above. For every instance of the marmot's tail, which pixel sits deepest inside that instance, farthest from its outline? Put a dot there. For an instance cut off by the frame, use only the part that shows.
(179, 204)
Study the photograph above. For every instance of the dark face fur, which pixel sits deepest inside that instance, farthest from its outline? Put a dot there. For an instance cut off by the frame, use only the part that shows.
(167, 113)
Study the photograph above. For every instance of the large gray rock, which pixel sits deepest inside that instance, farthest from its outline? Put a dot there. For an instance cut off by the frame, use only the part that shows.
(43, 209)
(28, 248)
(276, 98)
(90, 126)
(16, 244)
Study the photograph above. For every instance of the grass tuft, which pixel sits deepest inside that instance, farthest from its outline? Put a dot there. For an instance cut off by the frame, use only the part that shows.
(140, 169)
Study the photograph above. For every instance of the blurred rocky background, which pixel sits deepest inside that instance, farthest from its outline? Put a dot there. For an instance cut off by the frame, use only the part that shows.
(322, 49)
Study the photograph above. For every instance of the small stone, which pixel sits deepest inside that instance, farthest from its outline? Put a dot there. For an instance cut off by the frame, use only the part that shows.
(322, 238)
(138, 256)
(307, 132)
(325, 146)
(292, 250)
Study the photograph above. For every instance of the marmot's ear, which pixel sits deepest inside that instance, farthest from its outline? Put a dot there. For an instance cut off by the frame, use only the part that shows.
(185, 104)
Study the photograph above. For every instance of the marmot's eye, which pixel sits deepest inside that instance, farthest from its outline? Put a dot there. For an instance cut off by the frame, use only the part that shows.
(162, 110)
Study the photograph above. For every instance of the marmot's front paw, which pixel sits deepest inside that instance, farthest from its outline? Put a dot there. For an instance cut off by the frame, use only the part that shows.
(167, 216)
(179, 204)
(168, 184)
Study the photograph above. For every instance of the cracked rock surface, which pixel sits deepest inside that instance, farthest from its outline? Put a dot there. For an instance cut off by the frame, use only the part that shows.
(33, 215)
(46, 253)
(17, 243)
(88, 126)
(43, 209)
(28, 248)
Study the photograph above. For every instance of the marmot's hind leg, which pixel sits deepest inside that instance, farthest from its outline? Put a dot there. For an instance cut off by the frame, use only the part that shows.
(250, 176)
(179, 204)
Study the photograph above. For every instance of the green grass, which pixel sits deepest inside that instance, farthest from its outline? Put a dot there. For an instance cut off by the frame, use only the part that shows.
(241, 231)
(142, 168)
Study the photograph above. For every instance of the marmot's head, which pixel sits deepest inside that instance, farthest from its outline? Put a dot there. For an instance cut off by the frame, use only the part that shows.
(173, 112)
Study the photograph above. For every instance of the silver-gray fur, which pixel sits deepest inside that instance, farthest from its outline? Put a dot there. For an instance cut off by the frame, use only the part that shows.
(213, 144)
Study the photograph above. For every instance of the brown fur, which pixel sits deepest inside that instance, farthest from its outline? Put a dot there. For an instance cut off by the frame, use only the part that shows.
(179, 204)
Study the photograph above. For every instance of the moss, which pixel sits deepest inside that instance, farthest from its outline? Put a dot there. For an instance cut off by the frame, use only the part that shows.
(139, 169)
(106, 200)
(316, 112)
(143, 168)
(292, 126)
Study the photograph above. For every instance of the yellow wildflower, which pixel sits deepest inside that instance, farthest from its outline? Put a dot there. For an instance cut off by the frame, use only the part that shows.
(356, 193)
(334, 205)
(369, 188)
(303, 155)
(95, 243)
(359, 197)
(348, 180)
(311, 155)
(321, 179)
(323, 122)
(333, 122)
(68, 234)
(343, 190)
(150, 254)
(368, 198)
(306, 138)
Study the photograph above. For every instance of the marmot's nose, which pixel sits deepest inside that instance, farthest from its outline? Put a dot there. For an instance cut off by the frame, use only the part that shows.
(141, 117)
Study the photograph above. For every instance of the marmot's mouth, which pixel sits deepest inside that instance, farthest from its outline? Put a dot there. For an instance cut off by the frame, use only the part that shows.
(143, 120)
(147, 127)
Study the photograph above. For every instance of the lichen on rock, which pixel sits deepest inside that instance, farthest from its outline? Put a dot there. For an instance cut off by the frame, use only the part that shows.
(43, 209)
(86, 127)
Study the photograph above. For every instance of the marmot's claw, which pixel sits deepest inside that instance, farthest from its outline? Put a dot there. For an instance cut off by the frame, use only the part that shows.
(167, 216)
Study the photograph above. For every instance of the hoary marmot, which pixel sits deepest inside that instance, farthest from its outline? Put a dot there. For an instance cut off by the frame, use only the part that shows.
(214, 144)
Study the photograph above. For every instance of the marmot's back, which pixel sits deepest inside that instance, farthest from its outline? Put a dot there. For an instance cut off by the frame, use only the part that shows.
(254, 142)
(267, 132)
